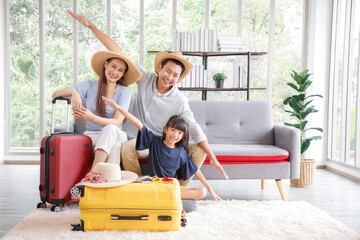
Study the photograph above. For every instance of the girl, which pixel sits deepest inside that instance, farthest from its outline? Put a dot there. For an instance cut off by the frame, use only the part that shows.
(103, 124)
(168, 155)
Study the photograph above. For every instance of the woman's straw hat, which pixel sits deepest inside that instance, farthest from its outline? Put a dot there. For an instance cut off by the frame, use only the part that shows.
(161, 56)
(108, 175)
(132, 75)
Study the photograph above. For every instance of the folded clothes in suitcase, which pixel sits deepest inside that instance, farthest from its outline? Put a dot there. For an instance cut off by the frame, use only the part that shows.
(65, 158)
(153, 205)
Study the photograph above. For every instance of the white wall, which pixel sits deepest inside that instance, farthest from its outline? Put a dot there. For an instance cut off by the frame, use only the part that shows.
(2, 78)
(318, 62)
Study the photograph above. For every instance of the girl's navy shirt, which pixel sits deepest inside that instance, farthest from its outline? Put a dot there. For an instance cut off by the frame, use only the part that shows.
(165, 161)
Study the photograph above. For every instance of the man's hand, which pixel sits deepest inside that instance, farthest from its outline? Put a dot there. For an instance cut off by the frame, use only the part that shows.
(81, 18)
(215, 163)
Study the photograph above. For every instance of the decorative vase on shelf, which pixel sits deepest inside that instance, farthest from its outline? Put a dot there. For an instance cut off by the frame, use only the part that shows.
(219, 79)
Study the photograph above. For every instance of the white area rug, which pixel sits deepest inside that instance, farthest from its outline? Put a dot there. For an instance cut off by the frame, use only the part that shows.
(233, 219)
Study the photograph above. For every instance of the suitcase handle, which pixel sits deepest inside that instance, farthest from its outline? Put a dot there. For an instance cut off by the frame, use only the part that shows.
(68, 100)
(118, 217)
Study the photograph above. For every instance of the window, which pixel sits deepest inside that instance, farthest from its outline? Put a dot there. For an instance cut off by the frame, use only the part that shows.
(344, 131)
(66, 51)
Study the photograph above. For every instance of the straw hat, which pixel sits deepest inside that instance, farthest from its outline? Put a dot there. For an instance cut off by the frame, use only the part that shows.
(161, 56)
(108, 175)
(132, 75)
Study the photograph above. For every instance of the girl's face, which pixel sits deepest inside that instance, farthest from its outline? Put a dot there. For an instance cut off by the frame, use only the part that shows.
(114, 70)
(173, 136)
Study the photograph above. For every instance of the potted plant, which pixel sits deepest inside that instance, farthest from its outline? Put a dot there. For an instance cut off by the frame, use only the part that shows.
(219, 79)
(300, 103)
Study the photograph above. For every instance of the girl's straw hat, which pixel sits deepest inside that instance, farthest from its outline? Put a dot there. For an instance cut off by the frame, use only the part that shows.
(132, 75)
(161, 56)
(108, 175)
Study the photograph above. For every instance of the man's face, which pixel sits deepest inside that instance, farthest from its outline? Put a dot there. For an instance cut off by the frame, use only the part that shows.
(168, 75)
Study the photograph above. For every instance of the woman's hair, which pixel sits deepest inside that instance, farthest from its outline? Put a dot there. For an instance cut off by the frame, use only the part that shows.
(100, 105)
(177, 122)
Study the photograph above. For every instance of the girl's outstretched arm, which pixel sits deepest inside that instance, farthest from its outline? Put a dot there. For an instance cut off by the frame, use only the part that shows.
(108, 42)
(126, 114)
(203, 180)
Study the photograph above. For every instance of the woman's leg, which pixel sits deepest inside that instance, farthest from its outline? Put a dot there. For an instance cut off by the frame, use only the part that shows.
(115, 152)
(194, 193)
(103, 142)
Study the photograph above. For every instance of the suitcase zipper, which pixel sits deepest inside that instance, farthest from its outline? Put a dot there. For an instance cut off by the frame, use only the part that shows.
(131, 209)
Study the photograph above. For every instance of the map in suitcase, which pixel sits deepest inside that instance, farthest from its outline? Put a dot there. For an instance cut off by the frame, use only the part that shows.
(153, 205)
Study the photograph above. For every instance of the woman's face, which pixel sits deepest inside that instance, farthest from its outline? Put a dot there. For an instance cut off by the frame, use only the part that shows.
(114, 69)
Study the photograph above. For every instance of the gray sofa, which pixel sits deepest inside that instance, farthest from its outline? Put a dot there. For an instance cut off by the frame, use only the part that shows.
(247, 143)
(245, 140)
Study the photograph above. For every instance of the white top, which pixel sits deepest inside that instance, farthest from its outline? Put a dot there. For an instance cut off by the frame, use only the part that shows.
(154, 109)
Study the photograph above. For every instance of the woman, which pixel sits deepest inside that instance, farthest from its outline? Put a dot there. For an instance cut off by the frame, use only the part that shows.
(103, 124)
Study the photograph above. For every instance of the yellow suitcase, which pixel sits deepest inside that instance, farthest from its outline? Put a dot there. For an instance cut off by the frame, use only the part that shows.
(148, 206)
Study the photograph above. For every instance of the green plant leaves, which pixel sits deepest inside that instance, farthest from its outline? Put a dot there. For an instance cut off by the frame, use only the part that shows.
(301, 108)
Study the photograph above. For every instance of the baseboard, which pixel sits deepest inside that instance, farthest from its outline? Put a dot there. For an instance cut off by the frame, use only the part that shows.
(342, 174)
(21, 162)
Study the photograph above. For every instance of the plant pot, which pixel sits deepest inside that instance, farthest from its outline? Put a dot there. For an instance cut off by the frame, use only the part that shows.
(307, 174)
(219, 83)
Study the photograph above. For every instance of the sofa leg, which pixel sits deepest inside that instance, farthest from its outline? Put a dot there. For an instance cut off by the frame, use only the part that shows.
(281, 189)
(262, 183)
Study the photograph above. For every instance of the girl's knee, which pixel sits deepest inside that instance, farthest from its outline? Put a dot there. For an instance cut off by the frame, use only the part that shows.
(202, 192)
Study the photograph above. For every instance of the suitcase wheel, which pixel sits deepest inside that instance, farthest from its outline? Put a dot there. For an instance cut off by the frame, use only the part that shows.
(55, 209)
(183, 222)
(41, 205)
(74, 191)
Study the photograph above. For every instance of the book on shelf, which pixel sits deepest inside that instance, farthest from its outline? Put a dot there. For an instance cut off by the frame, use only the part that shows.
(196, 78)
(238, 75)
(201, 40)
(229, 44)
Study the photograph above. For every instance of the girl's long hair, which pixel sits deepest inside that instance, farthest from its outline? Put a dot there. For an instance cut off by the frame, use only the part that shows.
(177, 122)
(100, 105)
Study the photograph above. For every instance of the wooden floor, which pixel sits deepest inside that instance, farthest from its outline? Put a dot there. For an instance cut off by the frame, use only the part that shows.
(337, 195)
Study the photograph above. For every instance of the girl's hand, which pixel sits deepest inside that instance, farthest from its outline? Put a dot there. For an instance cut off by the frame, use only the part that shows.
(83, 114)
(109, 102)
(81, 18)
(76, 100)
(214, 195)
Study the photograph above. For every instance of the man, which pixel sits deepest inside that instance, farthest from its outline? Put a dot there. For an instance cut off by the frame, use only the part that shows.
(156, 100)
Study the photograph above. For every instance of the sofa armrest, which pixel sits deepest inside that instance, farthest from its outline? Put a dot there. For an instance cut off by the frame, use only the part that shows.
(62, 128)
(288, 138)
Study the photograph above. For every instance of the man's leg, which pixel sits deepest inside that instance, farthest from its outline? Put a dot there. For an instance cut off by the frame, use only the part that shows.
(198, 156)
(130, 157)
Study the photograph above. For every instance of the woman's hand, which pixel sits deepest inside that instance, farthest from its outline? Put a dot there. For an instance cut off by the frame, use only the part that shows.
(83, 114)
(76, 100)
(81, 18)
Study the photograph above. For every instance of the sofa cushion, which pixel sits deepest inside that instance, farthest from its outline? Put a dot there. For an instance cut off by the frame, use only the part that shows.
(247, 122)
(234, 153)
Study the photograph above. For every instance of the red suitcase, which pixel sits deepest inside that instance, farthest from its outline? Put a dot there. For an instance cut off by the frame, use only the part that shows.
(65, 158)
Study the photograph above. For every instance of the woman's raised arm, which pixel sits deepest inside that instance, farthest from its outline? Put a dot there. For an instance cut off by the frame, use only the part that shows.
(109, 43)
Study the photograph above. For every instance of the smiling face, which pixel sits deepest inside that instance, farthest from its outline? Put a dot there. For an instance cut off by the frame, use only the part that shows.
(168, 76)
(172, 136)
(114, 69)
